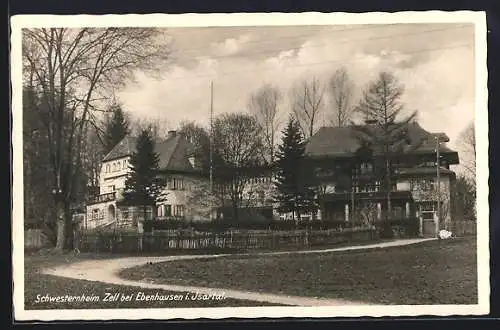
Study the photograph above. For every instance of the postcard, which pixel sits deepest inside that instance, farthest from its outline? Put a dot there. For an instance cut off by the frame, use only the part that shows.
(249, 165)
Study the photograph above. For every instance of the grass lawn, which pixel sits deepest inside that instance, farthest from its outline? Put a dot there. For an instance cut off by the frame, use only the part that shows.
(433, 272)
(39, 284)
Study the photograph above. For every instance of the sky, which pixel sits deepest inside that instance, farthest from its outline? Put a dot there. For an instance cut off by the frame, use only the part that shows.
(435, 63)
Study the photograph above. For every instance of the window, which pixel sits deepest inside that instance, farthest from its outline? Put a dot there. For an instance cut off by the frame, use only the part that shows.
(95, 214)
(168, 210)
(422, 184)
(179, 210)
(176, 184)
(427, 184)
(125, 214)
(431, 184)
(428, 164)
(366, 168)
(107, 168)
(149, 213)
(368, 187)
(355, 187)
(112, 188)
(124, 164)
(428, 210)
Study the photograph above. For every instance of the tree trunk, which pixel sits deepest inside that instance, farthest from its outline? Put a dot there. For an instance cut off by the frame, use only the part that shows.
(61, 227)
(235, 211)
(69, 242)
(389, 188)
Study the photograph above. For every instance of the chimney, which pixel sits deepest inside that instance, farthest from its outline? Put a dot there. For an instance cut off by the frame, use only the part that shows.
(171, 134)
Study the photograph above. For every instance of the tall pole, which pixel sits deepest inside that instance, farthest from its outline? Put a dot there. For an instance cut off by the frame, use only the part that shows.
(438, 186)
(352, 198)
(211, 145)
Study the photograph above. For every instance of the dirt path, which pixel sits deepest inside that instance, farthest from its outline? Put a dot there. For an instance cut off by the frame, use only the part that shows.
(107, 271)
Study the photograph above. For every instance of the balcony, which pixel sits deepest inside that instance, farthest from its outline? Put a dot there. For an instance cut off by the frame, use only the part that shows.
(103, 198)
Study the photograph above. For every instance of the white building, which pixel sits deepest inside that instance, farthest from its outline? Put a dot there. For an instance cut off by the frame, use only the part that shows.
(177, 164)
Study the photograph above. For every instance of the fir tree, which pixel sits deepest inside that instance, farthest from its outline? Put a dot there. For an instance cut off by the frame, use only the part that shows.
(117, 127)
(294, 194)
(144, 186)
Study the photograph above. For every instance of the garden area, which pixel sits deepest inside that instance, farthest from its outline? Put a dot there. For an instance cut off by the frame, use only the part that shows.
(432, 272)
(38, 285)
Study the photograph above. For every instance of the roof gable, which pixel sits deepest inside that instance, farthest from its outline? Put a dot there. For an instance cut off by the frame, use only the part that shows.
(124, 148)
(174, 152)
(343, 141)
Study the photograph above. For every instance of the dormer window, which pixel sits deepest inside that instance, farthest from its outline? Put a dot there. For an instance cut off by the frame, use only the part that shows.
(176, 184)
(366, 168)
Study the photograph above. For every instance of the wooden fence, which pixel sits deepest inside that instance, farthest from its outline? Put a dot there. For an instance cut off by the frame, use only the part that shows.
(464, 228)
(158, 242)
(34, 239)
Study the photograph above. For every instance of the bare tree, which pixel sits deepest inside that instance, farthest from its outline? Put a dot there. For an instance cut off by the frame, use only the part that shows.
(71, 70)
(92, 153)
(467, 147)
(200, 201)
(387, 134)
(307, 103)
(263, 105)
(159, 126)
(341, 89)
(199, 136)
(237, 148)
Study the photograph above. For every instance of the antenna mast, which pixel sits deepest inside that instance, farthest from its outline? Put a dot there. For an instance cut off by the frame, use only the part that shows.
(211, 144)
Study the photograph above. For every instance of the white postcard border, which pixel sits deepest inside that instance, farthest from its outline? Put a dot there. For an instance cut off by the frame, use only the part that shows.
(254, 19)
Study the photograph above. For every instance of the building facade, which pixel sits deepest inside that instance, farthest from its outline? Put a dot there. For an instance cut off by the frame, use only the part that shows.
(177, 164)
(345, 173)
(348, 178)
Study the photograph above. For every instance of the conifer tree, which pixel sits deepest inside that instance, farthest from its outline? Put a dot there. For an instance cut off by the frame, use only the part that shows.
(117, 127)
(294, 194)
(386, 133)
(144, 186)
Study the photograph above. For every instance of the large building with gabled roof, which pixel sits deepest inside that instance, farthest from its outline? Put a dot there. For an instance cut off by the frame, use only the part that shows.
(177, 163)
(349, 172)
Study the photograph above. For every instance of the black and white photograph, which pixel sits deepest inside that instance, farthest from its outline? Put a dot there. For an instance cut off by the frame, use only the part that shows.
(250, 165)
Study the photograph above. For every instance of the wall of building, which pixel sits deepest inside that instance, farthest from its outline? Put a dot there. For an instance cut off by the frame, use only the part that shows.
(182, 194)
(113, 173)
(98, 215)
(426, 195)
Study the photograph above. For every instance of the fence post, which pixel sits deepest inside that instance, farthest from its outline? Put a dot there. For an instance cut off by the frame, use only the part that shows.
(140, 231)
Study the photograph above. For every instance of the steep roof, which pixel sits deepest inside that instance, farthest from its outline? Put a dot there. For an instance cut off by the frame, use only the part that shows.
(174, 152)
(124, 148)
(344, 141)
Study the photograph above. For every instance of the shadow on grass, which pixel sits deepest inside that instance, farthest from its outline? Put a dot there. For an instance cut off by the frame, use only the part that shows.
(431, 272)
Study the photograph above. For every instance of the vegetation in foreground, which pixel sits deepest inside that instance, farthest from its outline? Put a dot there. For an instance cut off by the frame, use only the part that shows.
(434, 272)
(40, 286)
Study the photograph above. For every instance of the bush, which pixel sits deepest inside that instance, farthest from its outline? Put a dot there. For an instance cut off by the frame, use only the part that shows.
(386, 230)
(401, 227)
